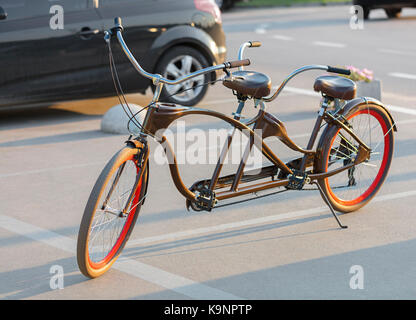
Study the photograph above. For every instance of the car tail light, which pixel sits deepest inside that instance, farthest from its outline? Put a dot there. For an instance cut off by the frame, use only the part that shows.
(209, 6)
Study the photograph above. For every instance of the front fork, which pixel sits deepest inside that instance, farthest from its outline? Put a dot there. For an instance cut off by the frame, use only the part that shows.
(141, 160)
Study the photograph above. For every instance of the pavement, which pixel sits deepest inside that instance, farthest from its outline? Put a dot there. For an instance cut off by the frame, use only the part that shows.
(285, 246)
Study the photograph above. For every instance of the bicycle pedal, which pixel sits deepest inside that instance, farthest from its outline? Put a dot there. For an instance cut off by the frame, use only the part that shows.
(205, 200)
(297, 180)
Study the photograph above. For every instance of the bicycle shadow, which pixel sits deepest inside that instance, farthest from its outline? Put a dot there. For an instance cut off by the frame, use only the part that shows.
(35, 280)
(154, 250)
(57, 138)
(325, 277)
(39, 116)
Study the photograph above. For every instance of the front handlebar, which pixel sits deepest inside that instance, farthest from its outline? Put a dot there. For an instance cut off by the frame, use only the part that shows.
(157, 78)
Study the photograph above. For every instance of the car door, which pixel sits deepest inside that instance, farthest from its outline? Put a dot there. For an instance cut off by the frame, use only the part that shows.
(44, 58)
(142, 25)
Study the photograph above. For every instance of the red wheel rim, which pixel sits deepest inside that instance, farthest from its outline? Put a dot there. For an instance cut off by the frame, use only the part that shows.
(383, 165)
(112, 253)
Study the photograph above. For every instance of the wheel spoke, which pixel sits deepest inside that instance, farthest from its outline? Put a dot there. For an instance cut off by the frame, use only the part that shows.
(174, 88)
(173, 70)
(186, 64)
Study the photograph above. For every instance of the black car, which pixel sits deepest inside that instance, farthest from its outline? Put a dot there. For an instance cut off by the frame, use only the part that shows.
(226, 4)
(392, 8)
(54, 50)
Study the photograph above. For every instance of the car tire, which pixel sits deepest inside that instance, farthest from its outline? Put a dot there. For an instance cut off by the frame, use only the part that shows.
(366, 12)
(224, 4)
(177, 62)
(393, 13)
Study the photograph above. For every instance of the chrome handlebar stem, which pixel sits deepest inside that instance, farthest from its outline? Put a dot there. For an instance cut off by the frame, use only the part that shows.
(241, 52)
(133, 60)
(157, 78)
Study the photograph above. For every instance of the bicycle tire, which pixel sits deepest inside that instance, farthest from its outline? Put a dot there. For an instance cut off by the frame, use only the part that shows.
(86, 263)
(353, 196)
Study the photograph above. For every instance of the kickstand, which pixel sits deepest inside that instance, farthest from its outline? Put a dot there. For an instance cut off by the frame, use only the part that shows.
(329, 205)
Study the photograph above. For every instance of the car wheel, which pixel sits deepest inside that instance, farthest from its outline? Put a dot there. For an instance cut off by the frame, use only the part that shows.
(393, 13)
(224, 4)
(366, 12)
(178, 62)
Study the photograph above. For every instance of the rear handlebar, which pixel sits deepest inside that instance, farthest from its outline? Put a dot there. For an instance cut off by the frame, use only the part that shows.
(248, 44)
(339, 70)
(303, 69)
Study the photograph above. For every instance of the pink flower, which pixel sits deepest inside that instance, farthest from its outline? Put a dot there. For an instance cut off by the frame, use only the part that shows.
(354, 69)
(368, 72)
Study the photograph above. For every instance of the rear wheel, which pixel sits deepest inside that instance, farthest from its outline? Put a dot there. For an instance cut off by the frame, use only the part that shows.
(105, 228)
(352, 189)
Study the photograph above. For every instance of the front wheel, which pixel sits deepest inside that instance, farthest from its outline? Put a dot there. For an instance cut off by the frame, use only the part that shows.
(352, 189)
(108, 218)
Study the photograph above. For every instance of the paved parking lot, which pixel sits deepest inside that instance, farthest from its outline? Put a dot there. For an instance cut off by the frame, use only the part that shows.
(275, 248)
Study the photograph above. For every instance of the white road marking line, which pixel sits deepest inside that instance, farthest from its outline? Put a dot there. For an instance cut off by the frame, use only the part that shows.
(329, 44)
(399, 52)
(205, 103)
(317, 94)
(132, 267)
(409, 121)
(301, 91)
(226, 226)
(172, 281)
(281, 37)
(261, 29)
(403, 75)
(402, 110)
(209, 103)
(256, 221)
(22, 173)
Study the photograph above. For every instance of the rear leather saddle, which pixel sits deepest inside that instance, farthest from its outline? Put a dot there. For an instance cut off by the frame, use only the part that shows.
(336, 87)
(249, 83)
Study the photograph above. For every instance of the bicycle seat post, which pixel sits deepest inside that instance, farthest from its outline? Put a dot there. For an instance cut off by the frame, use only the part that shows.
(241, 103)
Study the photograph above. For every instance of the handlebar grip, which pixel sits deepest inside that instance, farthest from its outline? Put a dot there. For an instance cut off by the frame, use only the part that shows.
(255, 44)
(117, 24)
(339, 70)
(237, 63)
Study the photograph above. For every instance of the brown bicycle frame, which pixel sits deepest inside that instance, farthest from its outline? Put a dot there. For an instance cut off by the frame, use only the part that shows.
(161, 115)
